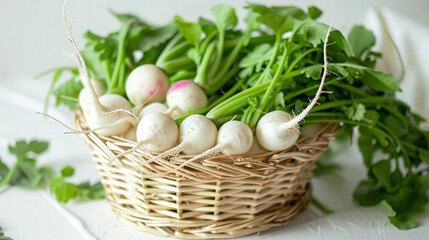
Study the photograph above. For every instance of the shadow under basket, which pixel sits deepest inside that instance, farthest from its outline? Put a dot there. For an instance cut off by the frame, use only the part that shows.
(220, 196)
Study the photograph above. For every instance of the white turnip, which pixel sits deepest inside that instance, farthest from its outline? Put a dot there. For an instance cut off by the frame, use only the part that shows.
(197, 133)
(234, 137)
(101, 114)
(152, 107)
(156, 132)
(278, 130)
(146, 83)
(184, 97)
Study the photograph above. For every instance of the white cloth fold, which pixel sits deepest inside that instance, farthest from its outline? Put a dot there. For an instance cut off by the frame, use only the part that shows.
(411, 39)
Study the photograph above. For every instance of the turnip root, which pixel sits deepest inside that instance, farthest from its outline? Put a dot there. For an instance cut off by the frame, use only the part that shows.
(184, 97)
(153, 107)
(156, 132)
(234, 137)
(273, 135)
(117, 116)
(197, 133)
(104, 115)
(278, 130)
(146, 83)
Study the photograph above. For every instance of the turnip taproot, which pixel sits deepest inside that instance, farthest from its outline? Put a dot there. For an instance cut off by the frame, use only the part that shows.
(278, 130)
(104, 115)
(234, 137)
(185, 96)
(197, 133)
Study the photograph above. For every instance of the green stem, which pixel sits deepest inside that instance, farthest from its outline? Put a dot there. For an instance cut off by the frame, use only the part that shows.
(320, 206)
(239, 100)
(231, 58)
(122, 76)
(107, 70)
(218, 57)
(374, 100)
(220, 121)
(180, 49)
(226, 95)
(295, 31)
(267, 96)
(271, 62)
(298, 59)
(120, 58)
(202, 68)
(387, 108)
(175, 65)
(253, 41)
(9, 175)
(202, 48)
(167, 50)
(412, 146)
(181, 75)
(398, 142)
(236, 102)
(219, 84)
(246, 114)
(302, 91)
(173, 50)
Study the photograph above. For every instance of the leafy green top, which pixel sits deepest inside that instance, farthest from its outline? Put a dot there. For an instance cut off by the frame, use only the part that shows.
(25, 173)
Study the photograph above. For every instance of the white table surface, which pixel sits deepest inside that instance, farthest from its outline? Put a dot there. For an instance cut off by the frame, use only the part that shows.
(29, 214)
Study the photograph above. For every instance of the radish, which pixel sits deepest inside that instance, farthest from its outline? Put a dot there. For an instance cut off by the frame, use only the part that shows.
(146, 83)
(197, 133)
(184, 97)
(278, 130)
(234, 137)
(153, 107)
(273, 132)
(115, 118)
(156, 132)
(108, 115)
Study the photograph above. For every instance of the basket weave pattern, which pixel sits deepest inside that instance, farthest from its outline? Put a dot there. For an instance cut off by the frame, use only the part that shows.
(219, 196)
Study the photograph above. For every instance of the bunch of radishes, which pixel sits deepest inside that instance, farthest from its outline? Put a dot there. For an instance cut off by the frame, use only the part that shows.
(151, 123)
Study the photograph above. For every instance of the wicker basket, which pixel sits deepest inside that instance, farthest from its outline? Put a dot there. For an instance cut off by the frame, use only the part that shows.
(216, 197)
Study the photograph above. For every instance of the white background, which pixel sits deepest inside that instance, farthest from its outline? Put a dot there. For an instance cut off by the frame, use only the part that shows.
(32, 39)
